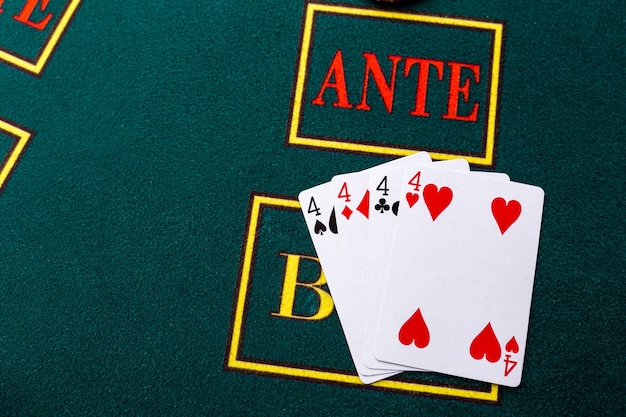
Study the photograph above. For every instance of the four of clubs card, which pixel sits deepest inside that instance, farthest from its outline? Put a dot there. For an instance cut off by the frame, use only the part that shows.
(430, 265)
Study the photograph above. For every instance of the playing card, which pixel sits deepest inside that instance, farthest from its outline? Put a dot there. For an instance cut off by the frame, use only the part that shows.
(324, 221)
(461, 273)
(371, 249)
(320, 216)
(386, 185)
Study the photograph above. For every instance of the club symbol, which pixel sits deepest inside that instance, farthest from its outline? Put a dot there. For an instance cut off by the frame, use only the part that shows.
(382, 205)
(394, 208)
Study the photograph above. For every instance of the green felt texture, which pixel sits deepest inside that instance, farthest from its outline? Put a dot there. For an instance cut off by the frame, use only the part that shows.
(122, 224)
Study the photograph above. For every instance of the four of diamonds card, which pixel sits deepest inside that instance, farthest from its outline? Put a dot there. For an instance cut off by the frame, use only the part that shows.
(431, 266)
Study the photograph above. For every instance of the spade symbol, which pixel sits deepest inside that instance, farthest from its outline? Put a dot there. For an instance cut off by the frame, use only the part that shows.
(332, 222)
(394, 208)
(319, 228)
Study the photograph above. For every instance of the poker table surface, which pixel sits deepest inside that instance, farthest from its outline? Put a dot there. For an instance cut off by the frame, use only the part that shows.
(154, 259)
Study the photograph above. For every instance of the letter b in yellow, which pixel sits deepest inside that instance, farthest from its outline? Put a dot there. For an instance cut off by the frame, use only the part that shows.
(291, 285)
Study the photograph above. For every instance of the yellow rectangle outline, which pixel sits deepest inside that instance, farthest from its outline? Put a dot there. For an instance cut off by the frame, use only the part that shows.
(40, 60)
(312, 8)
(22, 139)
(233, 362)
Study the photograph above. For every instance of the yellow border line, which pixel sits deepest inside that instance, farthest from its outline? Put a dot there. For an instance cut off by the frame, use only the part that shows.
(41, 60)
(312, 8)
(247, 265)
(493, 97)
(235, 363)
(23, 138)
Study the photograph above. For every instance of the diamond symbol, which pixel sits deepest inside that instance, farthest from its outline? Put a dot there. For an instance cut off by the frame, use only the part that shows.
(347, 212)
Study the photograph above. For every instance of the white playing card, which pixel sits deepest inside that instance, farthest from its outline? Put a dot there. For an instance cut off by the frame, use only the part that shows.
(386, 186)
(461, 275)
(321, 222)
(352, 201)
(332, 258)
(324, 229)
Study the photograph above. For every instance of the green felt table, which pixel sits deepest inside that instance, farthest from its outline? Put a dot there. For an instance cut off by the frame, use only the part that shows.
(153, 257)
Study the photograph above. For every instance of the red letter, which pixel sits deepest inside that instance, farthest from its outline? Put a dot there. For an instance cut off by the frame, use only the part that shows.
(336, 70)
(422, 82)
(27, 11)
(456, 88)
(386, 90)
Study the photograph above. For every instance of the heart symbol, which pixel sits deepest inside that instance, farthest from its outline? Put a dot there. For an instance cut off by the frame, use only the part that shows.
(486, 345)
(437, 199)
(412, 198)
(414, 330)
(319, 228)
(505, 213)
(512, 346)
